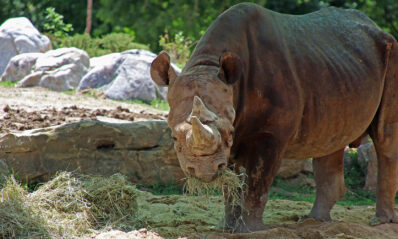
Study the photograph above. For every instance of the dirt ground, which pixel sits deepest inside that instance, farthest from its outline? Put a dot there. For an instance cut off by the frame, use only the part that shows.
(28, 108)
(169, 216)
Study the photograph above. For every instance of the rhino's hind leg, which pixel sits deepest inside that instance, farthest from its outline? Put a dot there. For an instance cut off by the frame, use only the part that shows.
(384, 132)
(329, 179)
(386, 145)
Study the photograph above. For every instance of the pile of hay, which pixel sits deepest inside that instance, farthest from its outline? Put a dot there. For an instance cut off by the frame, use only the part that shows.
(113, 201)
(67, 206)
(17, 218)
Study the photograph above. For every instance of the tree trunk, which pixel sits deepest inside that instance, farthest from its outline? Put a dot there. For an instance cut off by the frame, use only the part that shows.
(89, 16)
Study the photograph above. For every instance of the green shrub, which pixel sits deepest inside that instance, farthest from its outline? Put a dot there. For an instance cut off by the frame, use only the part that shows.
(179, 48)
(54, 24)
(114, 42)
(354, 176)
(118, 42)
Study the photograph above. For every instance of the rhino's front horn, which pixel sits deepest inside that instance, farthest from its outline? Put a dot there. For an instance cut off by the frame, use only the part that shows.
(199, 110)
(202, 139)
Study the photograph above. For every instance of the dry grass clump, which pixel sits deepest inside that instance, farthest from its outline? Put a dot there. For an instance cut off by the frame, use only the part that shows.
(62, 203)
(17, 219)
(229, 183)
(113, 201)
(66, 207)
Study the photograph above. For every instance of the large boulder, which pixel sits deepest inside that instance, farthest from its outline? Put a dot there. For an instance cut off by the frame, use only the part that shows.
(123, 76)
(60, 69)
(292, 167)
(17, 36)
(367, 159)
(19, 66)
(143, 151)
(4, 172)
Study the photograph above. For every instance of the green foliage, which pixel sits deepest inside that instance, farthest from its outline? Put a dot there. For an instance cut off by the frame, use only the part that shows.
(26, 184)
(171, 188)
(69, 92)
(383, 12)
(84, 42)
(54, 24)
(155, 103)
(354, 175)
(147, 20)
(118, 42)
(291, 190)
(178, 48)
(114, 42)
(8, 84)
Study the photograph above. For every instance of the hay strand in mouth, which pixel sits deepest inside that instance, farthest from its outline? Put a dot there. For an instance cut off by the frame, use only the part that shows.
(230, 184)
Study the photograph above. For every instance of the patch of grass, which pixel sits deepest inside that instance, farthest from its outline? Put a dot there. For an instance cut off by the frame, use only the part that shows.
(27, 184)
(8, 84)
(113, 42)
(171, 188)
(69, 92)
(155, 103)
(295, 191)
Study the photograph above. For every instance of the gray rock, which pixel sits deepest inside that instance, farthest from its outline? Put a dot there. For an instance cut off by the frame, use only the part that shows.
(18, 35)
(19, 66)
(292, 167)
(124, 76)
(60, 69)
(4, 172)
(367, 159)
(143, 151)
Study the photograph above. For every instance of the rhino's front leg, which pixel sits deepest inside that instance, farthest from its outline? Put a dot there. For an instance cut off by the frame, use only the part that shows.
(261, 166)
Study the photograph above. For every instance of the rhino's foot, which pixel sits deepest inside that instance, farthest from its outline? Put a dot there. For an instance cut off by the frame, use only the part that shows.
(377, 220)
(322, 217)
(244, 226)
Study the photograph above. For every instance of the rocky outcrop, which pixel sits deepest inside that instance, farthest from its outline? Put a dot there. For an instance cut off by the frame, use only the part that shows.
(123, 76)
(60, 69)
(143, 151)
(292, 167)
(4, 172)
(17, 36)
(367, 159)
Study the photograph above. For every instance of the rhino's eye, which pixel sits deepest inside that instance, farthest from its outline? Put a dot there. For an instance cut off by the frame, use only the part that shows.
(174, 138)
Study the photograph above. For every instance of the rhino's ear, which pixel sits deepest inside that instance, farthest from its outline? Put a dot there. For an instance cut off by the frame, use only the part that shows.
(231, 68)
(161, 70)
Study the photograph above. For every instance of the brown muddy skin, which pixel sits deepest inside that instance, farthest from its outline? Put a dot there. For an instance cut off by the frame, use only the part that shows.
(287, 86)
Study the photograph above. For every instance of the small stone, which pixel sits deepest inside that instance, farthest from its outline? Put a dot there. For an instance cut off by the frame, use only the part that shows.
(6, 108)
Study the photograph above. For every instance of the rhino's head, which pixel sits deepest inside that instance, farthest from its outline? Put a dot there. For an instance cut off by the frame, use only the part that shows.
(201, 113)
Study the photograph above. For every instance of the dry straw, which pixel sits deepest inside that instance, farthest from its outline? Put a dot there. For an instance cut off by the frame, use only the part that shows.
(17, 219)
(67, 207)
(230, 184)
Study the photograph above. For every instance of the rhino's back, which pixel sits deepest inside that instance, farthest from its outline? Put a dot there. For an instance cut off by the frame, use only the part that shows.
(339, 58)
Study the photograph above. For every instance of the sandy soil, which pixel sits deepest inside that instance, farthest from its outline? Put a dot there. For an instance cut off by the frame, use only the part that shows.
(177, 216)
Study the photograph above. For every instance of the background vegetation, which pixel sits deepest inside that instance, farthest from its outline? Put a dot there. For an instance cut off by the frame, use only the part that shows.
(160, 23)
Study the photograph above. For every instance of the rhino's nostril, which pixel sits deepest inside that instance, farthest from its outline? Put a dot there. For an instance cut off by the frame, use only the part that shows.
(191, 171)
(222, 166)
